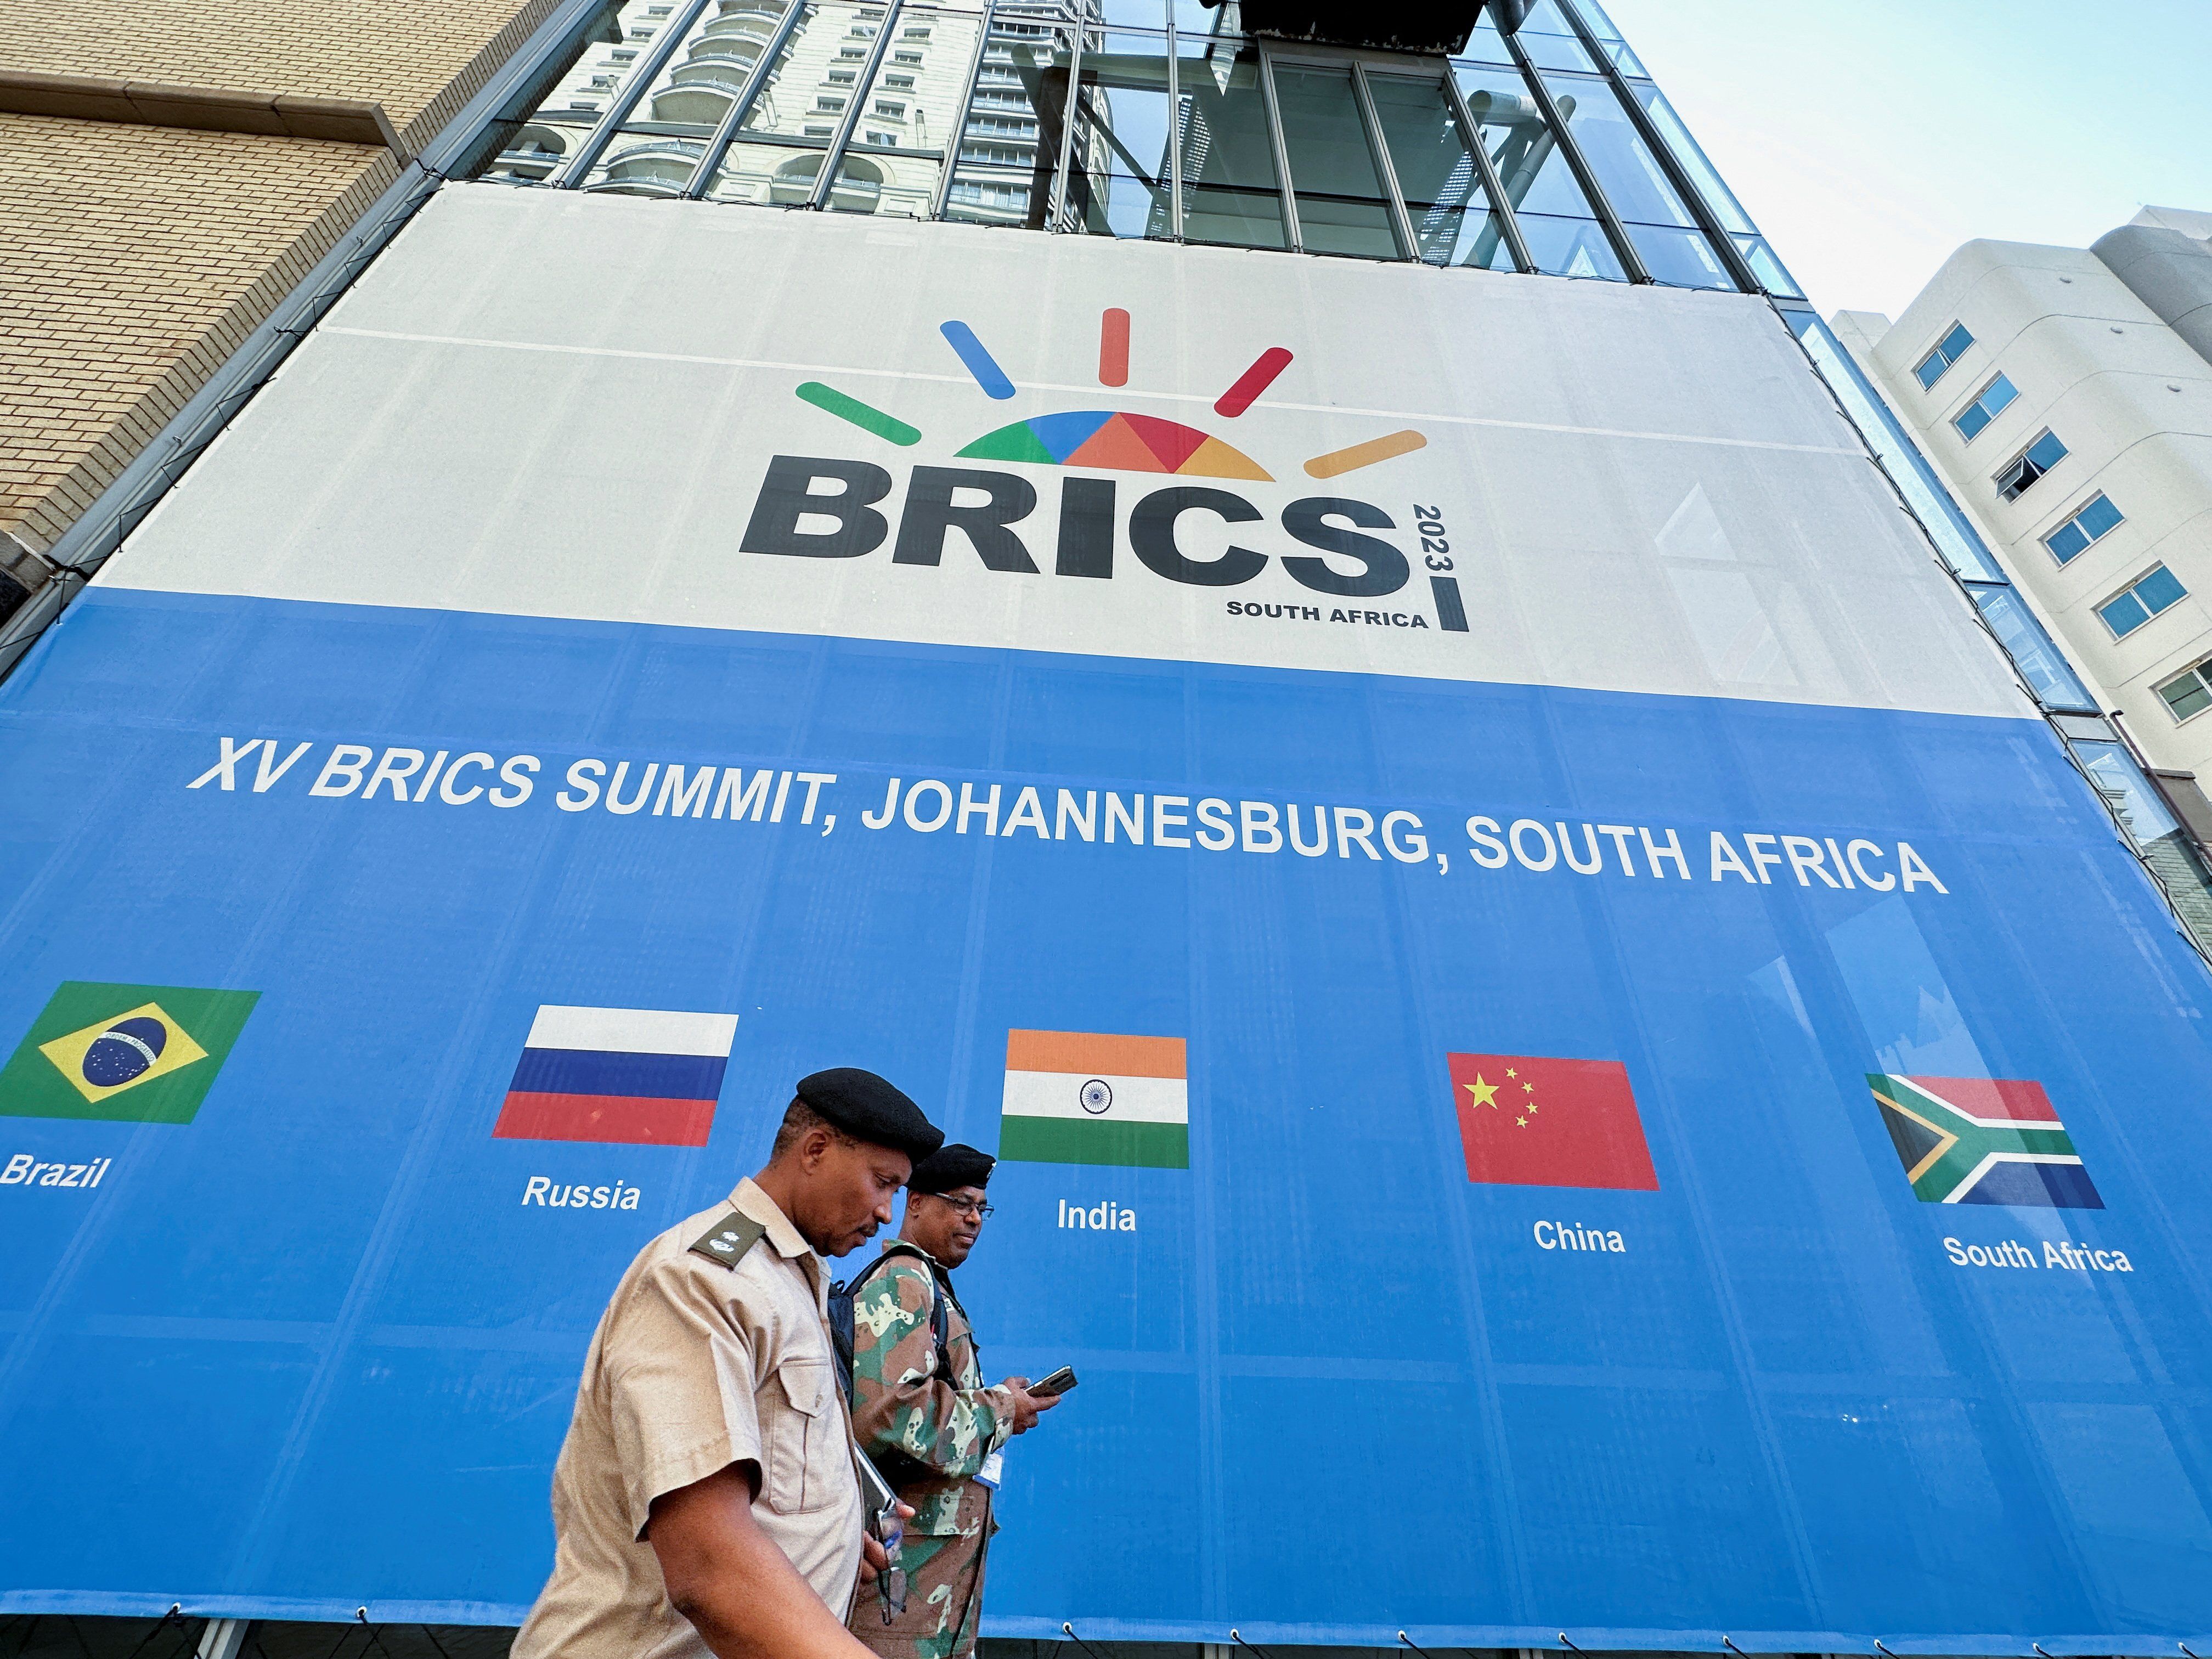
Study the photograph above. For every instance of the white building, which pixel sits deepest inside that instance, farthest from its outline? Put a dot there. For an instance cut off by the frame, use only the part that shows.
(2066, 395)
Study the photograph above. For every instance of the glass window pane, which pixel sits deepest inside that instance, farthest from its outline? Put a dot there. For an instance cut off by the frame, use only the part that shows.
(2121, 781)
(1121, 188)
(1931, 370)
(2037, 659)
(1637, 185)
(1563, 237)
(2099, 516)
(1770, 270)
(1711, 186)
(1970, 421)
(1339, 191)
(1010, 147)
(1550, 41)
(2123, 615)
(1452, 224)
(2046, 452)
(1230, 191)
(2158, 590)
(1955, 343)
(2186, 696)
(1998, 398)
(2065, 542)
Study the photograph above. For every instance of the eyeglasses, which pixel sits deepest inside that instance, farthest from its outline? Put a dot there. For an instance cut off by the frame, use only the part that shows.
(970, 1206)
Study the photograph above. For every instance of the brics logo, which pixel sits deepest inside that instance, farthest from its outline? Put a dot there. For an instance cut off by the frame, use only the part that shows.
(825, 508)
(123, 1054)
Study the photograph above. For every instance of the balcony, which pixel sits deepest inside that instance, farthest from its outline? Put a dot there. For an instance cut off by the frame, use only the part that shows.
(662, 168)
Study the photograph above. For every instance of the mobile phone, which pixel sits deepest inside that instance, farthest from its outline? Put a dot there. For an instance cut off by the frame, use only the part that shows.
(1058, 1383)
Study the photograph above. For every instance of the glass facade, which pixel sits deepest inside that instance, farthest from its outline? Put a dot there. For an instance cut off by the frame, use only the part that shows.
(1548, 153)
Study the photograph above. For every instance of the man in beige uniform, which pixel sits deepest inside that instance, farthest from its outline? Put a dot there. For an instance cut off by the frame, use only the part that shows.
(705, 1499)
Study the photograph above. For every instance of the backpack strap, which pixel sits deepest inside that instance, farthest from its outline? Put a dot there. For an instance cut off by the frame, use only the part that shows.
(940, 1324)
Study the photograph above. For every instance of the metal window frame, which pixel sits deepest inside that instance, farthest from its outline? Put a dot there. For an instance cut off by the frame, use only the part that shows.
(1508, 222)
(1070, 102)
(833, 158)
(1386, 170)
(677, 31)
(1616, 233)
(734, 118)
(956, 140)
(1294, 239)
(1732, 260)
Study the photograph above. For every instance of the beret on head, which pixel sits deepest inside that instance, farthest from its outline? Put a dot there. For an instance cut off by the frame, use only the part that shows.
(950, 1166)
(861, 1103)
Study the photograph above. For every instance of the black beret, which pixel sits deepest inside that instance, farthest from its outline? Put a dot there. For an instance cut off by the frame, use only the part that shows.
(861, 1103)
(952, 1165)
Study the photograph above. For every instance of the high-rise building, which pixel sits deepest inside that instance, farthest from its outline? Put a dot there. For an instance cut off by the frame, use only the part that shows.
(2065, 396)
(1587, 1025)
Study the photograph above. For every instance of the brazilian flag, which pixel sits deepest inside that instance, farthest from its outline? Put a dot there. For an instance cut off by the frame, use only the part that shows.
(123, 1054)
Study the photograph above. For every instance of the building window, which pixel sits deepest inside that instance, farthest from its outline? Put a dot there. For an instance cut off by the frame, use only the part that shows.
(894, 112)
(820, 132)
(2084, 527)
(624, 56)
(902, 83)
(2038, 458)
(2149, 595)
(921, 33)
(888, 139)
(840, 78)
(1948, 349)
(1994, 398)
(828, 106)
(2189, 693)
(906, 57)
(852, 52)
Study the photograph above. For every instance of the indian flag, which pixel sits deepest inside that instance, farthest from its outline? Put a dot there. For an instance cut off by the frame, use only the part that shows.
(1087, 1097)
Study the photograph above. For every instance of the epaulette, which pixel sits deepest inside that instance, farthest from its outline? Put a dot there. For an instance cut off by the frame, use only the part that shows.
(728, 1239)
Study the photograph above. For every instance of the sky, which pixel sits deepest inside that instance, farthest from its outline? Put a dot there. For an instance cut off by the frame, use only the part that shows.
(1870, 139)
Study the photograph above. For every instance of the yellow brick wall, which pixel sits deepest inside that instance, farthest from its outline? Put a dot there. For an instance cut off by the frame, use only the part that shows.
(399, 53)
(136, 259)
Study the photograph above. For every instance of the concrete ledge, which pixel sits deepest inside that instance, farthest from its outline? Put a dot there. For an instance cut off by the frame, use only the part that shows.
(207, 109)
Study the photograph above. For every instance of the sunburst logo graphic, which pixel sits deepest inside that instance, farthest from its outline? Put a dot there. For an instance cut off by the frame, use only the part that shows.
(1106, 440)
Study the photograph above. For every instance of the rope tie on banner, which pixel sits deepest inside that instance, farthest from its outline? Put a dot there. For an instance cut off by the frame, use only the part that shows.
(1567, 1645)
(176, 1609)
(1238, 1637)
(1070, 1631)
(2185, 1648)
(1412, 1643)
(2038, 1646)
(1882, 1650)
(1729, 1642)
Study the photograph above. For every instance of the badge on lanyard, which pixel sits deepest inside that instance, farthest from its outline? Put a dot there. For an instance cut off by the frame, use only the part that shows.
(993, 1471)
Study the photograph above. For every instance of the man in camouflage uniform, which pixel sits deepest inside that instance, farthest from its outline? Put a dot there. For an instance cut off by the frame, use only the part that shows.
(926, 1419)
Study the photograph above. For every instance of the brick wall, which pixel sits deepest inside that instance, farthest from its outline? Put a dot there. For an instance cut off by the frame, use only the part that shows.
(137, 258)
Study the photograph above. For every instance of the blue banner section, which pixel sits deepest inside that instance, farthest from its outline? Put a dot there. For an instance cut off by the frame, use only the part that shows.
(1587, 1093)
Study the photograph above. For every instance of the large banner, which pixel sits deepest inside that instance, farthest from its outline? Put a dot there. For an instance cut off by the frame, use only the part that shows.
(1566, 1053)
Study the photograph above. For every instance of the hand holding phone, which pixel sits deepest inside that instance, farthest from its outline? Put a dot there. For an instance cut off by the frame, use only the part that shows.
(1058, 1383)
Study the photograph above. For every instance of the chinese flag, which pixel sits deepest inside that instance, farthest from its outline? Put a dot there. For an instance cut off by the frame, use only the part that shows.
(1526, 1120)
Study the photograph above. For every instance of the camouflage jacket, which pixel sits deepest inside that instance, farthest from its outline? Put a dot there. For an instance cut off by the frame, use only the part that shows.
(901, 1403)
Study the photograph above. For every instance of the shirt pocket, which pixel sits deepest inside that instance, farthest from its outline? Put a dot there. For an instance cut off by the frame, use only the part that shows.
(801, 1425)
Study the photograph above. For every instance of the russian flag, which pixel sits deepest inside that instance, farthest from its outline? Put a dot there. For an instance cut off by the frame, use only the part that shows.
(634, 1077)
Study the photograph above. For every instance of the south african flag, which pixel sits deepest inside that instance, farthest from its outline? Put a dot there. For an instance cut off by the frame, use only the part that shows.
(1983, 1140)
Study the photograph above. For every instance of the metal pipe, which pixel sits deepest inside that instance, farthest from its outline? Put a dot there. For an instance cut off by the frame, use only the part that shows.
(864, 88)
(1732, 260)
(1502, 216)
(1594, 192)
(958, 137)
(1400, 221)
(725, 132)
(1293, 235)
(596, 141)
